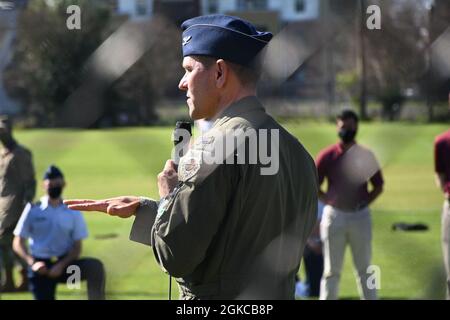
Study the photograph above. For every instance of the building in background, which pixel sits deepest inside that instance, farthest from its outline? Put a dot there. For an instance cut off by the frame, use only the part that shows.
(266, 14)
(135, 9)
(306, 20)
(175, 10)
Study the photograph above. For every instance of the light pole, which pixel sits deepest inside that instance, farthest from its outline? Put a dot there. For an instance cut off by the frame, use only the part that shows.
(363, 93)
(429, 5)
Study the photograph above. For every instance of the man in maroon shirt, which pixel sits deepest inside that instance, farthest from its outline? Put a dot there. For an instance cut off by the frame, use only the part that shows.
(442, 169)
(348, 168)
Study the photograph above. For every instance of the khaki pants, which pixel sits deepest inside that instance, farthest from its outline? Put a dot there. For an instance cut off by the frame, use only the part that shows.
(339, 228)
(446, 242)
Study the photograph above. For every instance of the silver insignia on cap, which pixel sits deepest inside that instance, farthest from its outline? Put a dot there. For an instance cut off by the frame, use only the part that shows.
(186, 40)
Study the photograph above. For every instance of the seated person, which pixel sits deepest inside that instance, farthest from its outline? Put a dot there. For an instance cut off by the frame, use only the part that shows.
(55, 234)
(313, 259)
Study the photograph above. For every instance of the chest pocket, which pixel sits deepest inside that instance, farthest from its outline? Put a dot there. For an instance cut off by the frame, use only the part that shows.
(41, 226)
(65, 225)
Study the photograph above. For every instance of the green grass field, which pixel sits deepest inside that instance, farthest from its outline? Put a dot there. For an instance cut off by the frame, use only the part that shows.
(110, 163)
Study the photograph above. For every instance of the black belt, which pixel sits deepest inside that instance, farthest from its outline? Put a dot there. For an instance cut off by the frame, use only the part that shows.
(51, 259)
(351, 209)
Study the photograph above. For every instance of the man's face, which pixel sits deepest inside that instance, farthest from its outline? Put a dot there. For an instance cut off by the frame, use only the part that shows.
(54, 187)
(201, 92)
(347, 129)
(347, 124)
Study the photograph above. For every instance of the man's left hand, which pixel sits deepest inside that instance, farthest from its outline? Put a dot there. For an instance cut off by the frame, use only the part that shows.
(123, 207)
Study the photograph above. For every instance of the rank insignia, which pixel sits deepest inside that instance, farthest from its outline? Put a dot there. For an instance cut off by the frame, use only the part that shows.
(207, 140)
(204, 141)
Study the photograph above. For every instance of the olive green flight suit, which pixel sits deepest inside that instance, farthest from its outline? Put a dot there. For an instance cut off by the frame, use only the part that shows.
(228, 231)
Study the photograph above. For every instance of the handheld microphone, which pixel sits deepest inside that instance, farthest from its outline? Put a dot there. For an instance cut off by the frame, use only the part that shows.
(181, 136)
(177, 135)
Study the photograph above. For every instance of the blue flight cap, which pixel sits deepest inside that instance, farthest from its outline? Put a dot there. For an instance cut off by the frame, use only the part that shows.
(52, 173)
(225, 37)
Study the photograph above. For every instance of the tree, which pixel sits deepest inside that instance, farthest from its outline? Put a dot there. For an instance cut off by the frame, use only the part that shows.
(397, 54)
(54, 76)
(435, 83)
(154, 75)
(48, 62)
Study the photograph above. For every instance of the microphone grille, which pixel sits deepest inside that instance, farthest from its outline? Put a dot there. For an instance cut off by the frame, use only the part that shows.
(184, 125)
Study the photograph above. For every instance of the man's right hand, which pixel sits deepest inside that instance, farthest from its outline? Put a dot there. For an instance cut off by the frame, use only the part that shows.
(167, 179)
(123, 207)
(39, 267)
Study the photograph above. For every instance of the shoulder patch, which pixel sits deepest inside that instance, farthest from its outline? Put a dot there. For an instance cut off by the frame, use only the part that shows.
(189, 166)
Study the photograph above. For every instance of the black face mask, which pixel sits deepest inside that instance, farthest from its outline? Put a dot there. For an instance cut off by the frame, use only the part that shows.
(347, 136)
(55, 192)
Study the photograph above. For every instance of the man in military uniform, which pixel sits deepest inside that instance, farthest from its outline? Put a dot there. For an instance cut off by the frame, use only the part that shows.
(227, 229)
(55, 235)
(17, 187)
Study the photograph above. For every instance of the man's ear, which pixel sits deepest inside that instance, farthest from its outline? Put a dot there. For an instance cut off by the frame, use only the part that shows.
(222, 72)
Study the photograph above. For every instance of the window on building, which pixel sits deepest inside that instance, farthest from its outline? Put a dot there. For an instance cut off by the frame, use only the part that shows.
(252, 5)
(300, 5)
(212, 6)
(141, 7)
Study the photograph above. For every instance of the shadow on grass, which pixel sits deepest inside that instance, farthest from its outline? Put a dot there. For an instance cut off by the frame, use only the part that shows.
(357, 299)
(110, 295)
(113, 294)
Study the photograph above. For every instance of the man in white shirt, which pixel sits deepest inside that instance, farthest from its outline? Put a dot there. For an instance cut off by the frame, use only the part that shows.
(54, 234)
